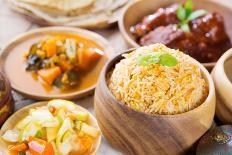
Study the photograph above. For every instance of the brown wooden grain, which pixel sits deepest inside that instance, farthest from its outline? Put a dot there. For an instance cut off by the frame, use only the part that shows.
(138, 133)
(132, 16)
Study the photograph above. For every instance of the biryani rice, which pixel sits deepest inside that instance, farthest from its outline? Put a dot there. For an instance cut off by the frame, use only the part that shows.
(157, 89)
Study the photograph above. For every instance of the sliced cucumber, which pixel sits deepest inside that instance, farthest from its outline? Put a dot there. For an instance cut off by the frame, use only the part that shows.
(61, 116)
(78, 125)
(52, 133)
(81, 115)
(66, 142)
(66, 147)
(89, 130)
(44, 117)
(24, 122)
(66, 126)
(30, 130)
(58, 104)
(54, 147)
(11, 136)
(39, 134)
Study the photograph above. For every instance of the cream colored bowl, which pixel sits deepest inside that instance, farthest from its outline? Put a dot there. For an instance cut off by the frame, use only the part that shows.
(222, 76)
(19, 115)
(12, 63)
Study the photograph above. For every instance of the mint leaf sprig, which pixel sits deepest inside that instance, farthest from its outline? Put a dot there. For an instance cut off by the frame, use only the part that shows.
(185, 14)
(164, 59)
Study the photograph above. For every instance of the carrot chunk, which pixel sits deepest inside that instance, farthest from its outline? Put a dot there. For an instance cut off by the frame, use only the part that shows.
(50, 47)
(94, 54)
(40, 147)
(65, 66)
(19, 147)
(87, 56)
(83, 59)
(48, 149)
(50, 74)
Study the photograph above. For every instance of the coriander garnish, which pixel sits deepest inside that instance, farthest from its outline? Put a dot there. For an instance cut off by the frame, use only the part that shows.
(164, 59)
(185, 14)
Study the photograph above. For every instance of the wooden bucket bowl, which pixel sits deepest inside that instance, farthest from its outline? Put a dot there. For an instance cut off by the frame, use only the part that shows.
(139, 133)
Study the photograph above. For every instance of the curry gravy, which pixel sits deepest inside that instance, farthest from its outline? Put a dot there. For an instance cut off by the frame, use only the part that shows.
(15, 65)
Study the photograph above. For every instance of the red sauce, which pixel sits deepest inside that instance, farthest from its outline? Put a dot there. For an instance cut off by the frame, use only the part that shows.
(206, 41)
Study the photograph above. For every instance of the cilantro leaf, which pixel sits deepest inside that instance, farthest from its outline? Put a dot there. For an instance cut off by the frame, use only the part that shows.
(181, 13)
(185, 14)
(165, 59)
(185, 27)
(147, 59)
(196, 14)
(188, 7)
(168, 60)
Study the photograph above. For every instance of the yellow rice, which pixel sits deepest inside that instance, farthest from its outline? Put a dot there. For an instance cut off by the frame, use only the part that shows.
(157, 89)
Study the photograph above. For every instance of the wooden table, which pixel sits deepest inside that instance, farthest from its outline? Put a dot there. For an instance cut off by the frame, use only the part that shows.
(13, 24)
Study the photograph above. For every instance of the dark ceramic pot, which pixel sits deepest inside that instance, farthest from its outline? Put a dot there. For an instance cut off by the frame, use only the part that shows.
(6, 99)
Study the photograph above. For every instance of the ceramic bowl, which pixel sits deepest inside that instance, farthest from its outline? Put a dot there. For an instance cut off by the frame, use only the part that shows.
(22, 113)
(12, 63)
(216, 141)
(132, 16)
(222, 76)
(139, 133)
(6, 99)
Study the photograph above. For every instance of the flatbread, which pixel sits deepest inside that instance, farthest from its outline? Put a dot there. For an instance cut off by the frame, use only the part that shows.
(60, 5)
(102, 12)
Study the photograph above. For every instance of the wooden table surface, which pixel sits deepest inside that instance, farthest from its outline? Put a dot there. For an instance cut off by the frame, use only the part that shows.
(13, 24)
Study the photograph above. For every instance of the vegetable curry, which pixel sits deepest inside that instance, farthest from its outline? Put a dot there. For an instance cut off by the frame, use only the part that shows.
(58, 63)
(60, 60)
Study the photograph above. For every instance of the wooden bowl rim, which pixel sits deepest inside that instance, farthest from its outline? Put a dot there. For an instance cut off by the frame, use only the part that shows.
(133, 43)
(220, 67)
(43, 103)
(73, 95)
(117, 58)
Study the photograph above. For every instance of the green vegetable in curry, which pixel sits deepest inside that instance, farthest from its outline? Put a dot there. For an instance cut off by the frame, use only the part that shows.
(58, 61)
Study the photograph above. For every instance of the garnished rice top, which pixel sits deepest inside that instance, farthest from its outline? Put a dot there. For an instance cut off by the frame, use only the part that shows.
(158, 80)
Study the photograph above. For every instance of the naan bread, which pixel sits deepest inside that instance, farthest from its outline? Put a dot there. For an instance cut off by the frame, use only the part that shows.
(60, 5)
(100, 14)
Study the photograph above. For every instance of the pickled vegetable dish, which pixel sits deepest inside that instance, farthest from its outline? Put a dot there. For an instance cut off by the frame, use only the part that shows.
(60, 60)
(59, 128)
